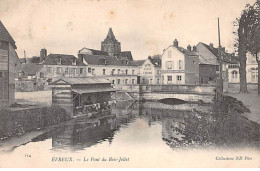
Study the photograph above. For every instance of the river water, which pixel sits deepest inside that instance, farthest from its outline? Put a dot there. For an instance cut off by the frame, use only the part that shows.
(136, 131)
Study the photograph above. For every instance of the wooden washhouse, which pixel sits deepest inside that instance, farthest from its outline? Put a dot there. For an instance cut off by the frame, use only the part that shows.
(81, 96)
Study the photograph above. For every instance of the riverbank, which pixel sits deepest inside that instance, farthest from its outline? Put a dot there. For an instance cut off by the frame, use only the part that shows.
(250, 100)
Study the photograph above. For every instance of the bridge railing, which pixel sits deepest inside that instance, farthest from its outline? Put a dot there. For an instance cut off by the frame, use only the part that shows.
(193, 88)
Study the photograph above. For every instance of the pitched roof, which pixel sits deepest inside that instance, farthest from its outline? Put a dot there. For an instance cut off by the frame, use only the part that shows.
(127, 54)
(155, 61)
(138, 62)
(226, 56)
(86, 80)
(5, 36)
(106, 60)
(52, 59)
(187, 52)
(95, 52)
(29, 69)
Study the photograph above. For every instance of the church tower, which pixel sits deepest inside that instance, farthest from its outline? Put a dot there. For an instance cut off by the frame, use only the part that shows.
(110, 44)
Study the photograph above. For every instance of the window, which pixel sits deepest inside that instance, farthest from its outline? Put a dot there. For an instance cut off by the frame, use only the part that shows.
(126, 71)
(169, 54)
(113, 81)
(73, 61)
(118, 81)
(89, 70)
(41, 74)
(158, 81)
(50, 70)
(169, 65)
(58, 71)
(180, 64)
(113, 72)
(81, 70)
(118, 71)
(133, 72)
(169, 78)
(93, 71)
(59, 61)
(104, 71)
(254, 75)
(126, 81)
(217, 68)
(66, 70)
(133, 81)
(74, 71)
(151, 81)
(178, 77)
(158, 72)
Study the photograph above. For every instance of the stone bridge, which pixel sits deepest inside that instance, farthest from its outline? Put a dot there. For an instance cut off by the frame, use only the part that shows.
(189, 93)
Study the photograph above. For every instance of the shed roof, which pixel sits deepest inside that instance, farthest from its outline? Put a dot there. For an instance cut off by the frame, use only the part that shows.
(81, 81)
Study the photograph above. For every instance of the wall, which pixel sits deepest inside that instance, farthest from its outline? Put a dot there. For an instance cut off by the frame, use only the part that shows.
(20, 120)
(175, 57)
(149, 73)
(207, 73)
(191, 69)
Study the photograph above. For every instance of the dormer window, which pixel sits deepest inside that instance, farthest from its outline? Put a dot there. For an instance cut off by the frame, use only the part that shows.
(73, 61)
(59, 61)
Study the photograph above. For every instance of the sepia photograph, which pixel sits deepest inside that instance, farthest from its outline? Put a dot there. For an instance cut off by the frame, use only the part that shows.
(129, 83)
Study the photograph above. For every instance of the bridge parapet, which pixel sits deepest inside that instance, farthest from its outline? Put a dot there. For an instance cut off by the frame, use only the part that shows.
(173, 88)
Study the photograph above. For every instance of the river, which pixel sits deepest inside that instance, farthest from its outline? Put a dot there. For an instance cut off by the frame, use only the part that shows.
(136, 131)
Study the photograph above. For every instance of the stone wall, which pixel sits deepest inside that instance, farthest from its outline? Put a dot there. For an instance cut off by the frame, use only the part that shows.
(19, 120)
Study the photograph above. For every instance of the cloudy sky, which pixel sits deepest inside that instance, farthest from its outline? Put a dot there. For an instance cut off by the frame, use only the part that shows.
(145, 27)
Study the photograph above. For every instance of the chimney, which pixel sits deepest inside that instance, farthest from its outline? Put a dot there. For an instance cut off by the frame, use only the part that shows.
(80, 57)
(43, 54)
(175, 43)
(194, 49)
(189, 47)
(211, 45)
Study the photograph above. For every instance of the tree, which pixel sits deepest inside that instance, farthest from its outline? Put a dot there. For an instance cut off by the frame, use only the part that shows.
(254, 36)
(255, 51)
(247, 25)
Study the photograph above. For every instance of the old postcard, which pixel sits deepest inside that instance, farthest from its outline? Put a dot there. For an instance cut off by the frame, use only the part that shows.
(129, 83)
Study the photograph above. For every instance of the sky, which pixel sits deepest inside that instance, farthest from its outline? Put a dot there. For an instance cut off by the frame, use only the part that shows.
(144, 27)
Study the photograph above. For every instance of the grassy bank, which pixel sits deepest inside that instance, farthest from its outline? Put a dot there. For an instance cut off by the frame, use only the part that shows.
(224, 126)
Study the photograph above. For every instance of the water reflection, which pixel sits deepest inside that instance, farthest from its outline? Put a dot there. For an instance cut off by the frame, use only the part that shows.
(185, 126)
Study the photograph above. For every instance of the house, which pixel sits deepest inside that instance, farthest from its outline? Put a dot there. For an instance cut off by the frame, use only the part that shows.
(8, 62)
(30, 78)
(57, 66)
(251, 70)
(118, 71)
(179, 65)
(151, 71)
(81, 95)
(209, 63)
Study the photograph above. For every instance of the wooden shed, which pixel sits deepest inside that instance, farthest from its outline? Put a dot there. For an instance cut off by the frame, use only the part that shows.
(79, 96)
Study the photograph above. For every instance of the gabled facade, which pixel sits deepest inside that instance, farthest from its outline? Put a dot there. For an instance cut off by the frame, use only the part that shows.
(151, 71)
(179, 65)
(209, 63)
(8, 63)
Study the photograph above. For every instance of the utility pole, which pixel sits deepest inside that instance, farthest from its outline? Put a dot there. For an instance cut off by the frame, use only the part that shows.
(220, 61)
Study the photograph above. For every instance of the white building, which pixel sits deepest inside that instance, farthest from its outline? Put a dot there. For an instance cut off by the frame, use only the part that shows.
(179, 65)
(151, 71)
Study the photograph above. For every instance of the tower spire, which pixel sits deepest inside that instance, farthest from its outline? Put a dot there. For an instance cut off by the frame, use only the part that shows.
(110, 34)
